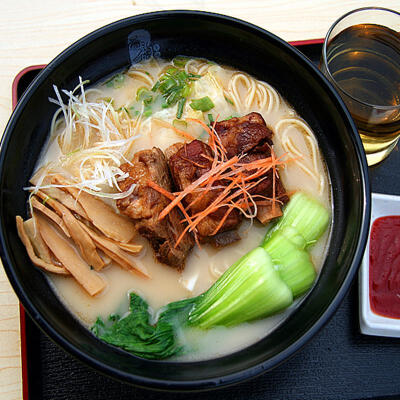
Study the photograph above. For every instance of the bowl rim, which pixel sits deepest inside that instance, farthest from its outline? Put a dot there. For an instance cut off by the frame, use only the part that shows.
(231, 378)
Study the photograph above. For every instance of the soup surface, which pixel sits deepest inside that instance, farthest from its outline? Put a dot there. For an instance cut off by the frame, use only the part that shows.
(142, 126)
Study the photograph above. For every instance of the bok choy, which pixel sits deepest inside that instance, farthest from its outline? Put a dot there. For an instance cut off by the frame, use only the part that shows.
(261, 283)
(303, 222)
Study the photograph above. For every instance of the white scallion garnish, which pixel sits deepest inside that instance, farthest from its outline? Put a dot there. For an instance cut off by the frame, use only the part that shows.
(94, 140)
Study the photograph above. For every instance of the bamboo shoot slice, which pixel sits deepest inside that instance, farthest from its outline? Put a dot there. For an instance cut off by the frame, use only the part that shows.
(130, 248)
(50, 214)
(112, 250)
(101, 215)
(66, 199)
(71, 260)
(39, 246)
(79, 236)
(56, 194)
(48, 267)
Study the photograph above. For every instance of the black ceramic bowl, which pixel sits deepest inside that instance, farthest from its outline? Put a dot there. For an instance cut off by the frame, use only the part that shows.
(227, 41)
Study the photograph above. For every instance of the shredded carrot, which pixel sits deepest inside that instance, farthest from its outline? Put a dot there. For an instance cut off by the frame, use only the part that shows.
(232, 180)
(194, 163)
(204, 213)
(203, 124)
(214, 141)
(273, 180)
(184, 134)
(223, 219)
(205, 177)
(168, 195)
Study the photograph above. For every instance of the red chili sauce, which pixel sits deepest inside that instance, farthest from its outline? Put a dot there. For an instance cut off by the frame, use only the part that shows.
(384, 266)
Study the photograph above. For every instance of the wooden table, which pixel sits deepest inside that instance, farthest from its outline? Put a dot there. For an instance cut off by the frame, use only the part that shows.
(35, 31)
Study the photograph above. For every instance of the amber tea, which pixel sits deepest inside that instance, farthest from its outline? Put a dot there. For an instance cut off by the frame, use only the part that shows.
(364, 64)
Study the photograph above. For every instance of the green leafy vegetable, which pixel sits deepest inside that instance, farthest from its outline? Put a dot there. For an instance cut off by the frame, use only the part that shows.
(250, 289)
(210, 118)
(292, 263)
(136, 334)
(303, 222)
(261, 283)
(305, 214)
(203, 104)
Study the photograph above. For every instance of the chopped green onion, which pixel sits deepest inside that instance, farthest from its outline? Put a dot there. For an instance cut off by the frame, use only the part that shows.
(173, 97)
(108, 100)
(167, 85)
(182, 77)
(194, 76)
(231, 116)
(186, 91)
(164, 103)
(144, 94)
(147, 112)
(156, 86)
(174, 85)
(46, 199)
(123, 108)
(181, 104)
(203, 104)
(132, 112)
(177, 123)
(228, 100)
(172, 71)
(210, 118)
(180, 61)
(116, 81)
(73, 152)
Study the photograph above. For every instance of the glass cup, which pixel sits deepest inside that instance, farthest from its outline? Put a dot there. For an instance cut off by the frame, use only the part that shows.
(361, 58)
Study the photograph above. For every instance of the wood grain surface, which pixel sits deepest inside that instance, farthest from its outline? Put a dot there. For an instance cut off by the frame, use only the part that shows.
(34, 31)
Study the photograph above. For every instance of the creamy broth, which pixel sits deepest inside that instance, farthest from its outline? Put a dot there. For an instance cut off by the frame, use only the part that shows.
(204, 265)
